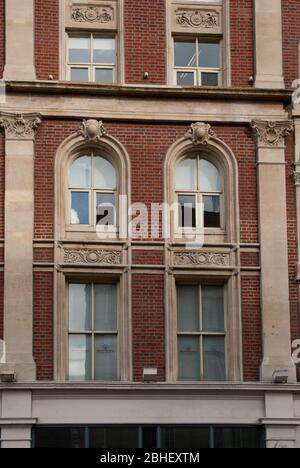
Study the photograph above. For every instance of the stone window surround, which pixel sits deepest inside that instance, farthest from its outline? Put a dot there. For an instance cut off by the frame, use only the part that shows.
(118, 34)
(224, 38)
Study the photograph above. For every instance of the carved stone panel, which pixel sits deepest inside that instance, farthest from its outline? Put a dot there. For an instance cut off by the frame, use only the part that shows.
(186, 18)
(91, 15)
(92, 256)
(200, 258)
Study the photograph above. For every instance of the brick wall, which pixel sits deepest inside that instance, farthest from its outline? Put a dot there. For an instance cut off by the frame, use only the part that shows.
(291, 38)
(145, 41)
(242, 41)
(2, 36)
(47, 38)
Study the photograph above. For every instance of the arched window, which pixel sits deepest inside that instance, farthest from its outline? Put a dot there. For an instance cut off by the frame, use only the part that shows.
(198, 184)
(93, 190)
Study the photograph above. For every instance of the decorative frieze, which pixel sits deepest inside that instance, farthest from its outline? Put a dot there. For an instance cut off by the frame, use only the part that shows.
(200, 133)
(206, 20)
(272, 134)
(91, 15)
(92, 130)
(201, 259)
(19, 126)
(92, 256)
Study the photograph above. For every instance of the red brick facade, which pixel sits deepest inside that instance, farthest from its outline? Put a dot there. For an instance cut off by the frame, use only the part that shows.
(2, 36)
(291, 38)
(47, 39)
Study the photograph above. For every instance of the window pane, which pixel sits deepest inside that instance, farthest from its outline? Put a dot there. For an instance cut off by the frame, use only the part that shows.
(185, 79)
(185, 54)
(210, 79)
(188, 308)
(188, 358)
(113, 437)
(185, 437)
(80, 208)
(211, 212)
(213, 308)
(104, 75)
(187, 211)
(80, 172)
(239, 438)
(79, 74)
(104, 174)
(210, 179)
(149, 438)
(104, 50)
(80, 307)
(79, 50)
(106, 307)
(209, 55)
(186, 174)
(106, 358)
(106, 210)
(214, 358)
(80, 358)
(59, 437)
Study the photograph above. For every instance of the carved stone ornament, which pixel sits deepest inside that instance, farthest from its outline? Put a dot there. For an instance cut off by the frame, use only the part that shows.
(92, 14)
(296, 177)
(200, 133)
(201, 258)
(19, 126)
(92, 130)
(272, 134)
(92, 256)
(197, 19)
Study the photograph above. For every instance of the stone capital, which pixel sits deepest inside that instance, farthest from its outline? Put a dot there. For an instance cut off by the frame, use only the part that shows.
(270, 134)
(19, 126)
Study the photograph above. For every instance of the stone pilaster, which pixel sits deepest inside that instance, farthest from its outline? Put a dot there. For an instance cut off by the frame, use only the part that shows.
(274, 247)
(19, 221)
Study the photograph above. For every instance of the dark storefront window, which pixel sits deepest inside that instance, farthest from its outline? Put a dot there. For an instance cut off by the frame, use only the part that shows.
(148, 437)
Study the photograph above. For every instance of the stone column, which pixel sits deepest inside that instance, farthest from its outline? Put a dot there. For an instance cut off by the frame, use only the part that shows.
(268, 44)
(19, 221)
(19, 40)
(274, 248)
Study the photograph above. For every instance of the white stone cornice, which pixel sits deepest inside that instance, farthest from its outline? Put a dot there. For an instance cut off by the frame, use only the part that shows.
(19, 126)
(270, 134)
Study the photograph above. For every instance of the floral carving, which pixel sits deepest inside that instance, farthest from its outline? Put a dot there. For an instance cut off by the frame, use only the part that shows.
(271, 133)
(92, 256)
(19, 125)
(92, 130)
(200, 133)
(197, 19)
(92, 14)
(201, 258)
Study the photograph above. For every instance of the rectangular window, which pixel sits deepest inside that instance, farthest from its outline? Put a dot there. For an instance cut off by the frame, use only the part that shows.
(92, 58)
(201, 333)
(93, 332)
(197, 62)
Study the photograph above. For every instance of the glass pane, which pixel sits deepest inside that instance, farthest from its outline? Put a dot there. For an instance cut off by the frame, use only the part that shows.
(149, 438)
(106, 358)
(209, 79)
(214, 358)
(106, 307)
(79, 50)
(104, 50)
(185, 54)
(188, 308)
(59, 437)
(212, 217)
(106, 210)
(186, 174)
(104, 75)
(185, 79)
(210, 179)
(239, 438)
(187, 211)
(80, 358)
(114, 437)
(79, 74)
(213, 308)
(185, 437)
(104, 174)
(80, 172)
(80, 307)
(209, 55)
(188, 358)
(80, 208)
